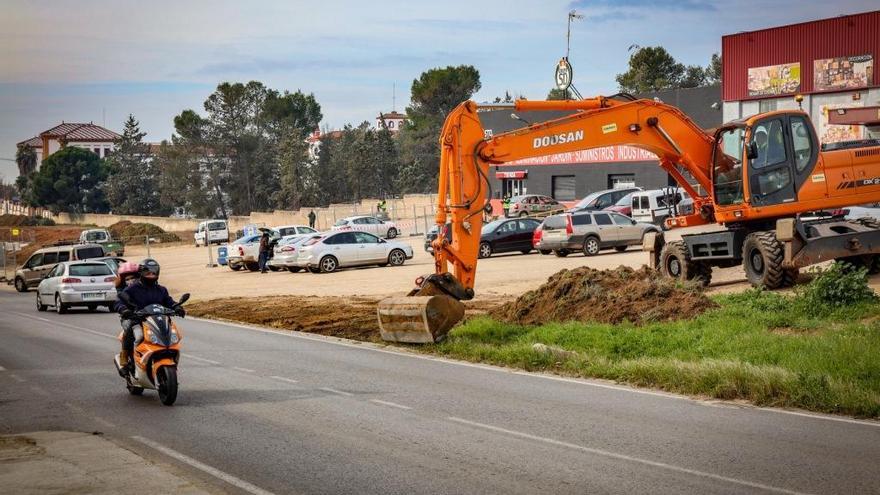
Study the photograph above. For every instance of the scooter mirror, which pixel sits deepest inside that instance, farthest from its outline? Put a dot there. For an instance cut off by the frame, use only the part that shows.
(184, 298)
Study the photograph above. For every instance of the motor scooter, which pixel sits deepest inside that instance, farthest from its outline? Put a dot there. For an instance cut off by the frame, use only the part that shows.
(153, 364)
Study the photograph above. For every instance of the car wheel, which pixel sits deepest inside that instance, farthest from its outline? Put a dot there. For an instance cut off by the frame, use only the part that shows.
(396, 257)
(526, 251)
(591, 246)
(294, 269)
(252, 266)
(561, 253)
(545, 251)
(314, 269)
(235, 267)
(524, 214)
(621, 249)
(273, 268)
(92, 307)
(60, 307)
(20, 285)
(329, 264)
(485, 250)
(392, 233)
(40, 305)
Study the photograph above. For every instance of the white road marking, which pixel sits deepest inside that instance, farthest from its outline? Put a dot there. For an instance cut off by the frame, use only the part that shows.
(334, 391)
(201, 359)
(623, 457)
(578, 381)
(391, 404)
(17, 378)
(104, 422)
(228, 478)
(283, 379)
(245, 370)
(74, 327)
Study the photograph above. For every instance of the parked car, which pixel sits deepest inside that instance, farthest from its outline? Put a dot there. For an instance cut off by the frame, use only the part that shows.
(591, 232)
(532, 205)
(503, 236)
(293, 230)
(654, 206)
(216, 230)
(343, 249)
(600, 200)
(286, 253)
(237, 257)
(623, 206)
(102, 237)
(77, 283)
(365, 223)
(432, 234)
(38, 265)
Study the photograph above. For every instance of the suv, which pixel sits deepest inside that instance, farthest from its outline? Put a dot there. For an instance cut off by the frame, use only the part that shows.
(590, 232)
(532, 205)
(38, 265)
(600, 200)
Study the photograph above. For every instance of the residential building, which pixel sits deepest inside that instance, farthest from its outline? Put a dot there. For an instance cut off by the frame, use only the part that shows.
(88, 136)
(392, 121)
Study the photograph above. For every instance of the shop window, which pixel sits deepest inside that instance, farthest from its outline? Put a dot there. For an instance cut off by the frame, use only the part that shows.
(766, 106)
(620, 181)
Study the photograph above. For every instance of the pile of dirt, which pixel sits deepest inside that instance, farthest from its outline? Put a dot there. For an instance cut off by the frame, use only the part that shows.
(606, 296)
(117, 228)
(346, 317)
(137, 231)
(24, 220)
(38, 237)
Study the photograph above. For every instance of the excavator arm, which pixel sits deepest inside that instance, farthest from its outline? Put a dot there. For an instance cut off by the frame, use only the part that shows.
(464, 188)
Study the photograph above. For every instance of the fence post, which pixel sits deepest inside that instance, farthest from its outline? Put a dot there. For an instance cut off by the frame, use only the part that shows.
(426, 219)
(210, 254)
(147, 242)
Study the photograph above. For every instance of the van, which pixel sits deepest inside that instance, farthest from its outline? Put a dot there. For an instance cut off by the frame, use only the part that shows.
(32, 271)
(654, 206)
(217, 232)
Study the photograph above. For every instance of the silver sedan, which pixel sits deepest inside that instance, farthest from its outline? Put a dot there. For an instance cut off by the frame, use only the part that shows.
(331, 252)
(77, 283)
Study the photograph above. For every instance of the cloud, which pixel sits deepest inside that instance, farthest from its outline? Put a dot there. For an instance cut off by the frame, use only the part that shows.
(616, 16)
(666, 5)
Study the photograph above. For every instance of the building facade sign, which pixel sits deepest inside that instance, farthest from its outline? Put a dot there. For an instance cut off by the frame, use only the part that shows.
(520, 174)
(843, 73)
(772, 80)
(609, 154)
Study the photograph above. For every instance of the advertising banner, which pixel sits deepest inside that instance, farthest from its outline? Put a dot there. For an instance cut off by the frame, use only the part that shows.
(775, 80)
(843, 73)
(610, 154)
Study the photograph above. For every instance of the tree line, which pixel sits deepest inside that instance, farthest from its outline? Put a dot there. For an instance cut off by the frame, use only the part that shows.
(248, 149)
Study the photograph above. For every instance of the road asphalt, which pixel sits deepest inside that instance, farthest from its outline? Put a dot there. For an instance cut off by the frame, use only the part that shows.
(272, 412)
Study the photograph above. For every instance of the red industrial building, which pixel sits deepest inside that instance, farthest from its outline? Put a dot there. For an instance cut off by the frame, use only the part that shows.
(831, 63)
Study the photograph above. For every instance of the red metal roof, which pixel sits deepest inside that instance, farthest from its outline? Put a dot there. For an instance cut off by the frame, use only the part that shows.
(71, 132)
(843, 36)
(34, 142)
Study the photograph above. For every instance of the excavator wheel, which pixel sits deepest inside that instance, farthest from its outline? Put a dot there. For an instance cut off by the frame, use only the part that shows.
(762, 260)
(675, 262)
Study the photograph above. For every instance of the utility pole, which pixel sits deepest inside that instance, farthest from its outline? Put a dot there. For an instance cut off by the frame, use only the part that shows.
(571, 15)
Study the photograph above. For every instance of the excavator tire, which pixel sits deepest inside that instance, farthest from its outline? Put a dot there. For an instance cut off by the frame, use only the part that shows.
(675, 262)
(790, 277)
(871, 262)
(762, 260)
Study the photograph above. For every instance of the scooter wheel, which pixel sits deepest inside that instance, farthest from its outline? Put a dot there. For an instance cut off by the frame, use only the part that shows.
(135, 390)
(167, 384)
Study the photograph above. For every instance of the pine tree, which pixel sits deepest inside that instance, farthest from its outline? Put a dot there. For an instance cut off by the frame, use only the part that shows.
(133, 186)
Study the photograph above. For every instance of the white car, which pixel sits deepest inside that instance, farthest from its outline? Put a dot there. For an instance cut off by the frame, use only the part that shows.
(343, 249)
(285, 256)
(293, 230)
(216, 230)
(370, 224)
(77, 283)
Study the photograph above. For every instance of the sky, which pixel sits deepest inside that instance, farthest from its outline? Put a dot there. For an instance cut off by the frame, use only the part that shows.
(101, 60)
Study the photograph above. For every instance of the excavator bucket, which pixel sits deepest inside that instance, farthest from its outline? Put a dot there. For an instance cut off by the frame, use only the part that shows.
(418, 319)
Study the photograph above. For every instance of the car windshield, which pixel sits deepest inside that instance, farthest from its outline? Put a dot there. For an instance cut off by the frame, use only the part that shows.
(340, 222)
(96, 236)
(588, 201)
(90, 270)
(89, 252)
(289, 241)
(216, 226)
(625, 201)
(246, 239)
(492, 226)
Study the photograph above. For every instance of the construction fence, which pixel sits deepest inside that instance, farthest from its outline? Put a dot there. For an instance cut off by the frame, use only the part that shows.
(13, 240)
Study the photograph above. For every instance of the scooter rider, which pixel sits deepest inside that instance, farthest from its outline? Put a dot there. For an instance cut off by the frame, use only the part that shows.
(144, 292)
(126, 275)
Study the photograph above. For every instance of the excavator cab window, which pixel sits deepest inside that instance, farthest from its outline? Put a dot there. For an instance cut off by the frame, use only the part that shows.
(728, 166)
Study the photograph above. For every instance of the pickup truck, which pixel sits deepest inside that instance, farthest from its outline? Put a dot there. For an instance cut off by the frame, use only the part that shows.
(102, 237)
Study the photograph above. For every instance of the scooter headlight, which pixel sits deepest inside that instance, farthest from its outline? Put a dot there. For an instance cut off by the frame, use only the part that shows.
(174, 337)
(153, 338)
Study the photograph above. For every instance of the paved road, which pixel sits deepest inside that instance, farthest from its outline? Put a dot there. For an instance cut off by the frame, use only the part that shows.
(266, 412)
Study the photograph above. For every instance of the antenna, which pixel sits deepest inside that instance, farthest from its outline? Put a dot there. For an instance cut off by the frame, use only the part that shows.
(571, 15)
(393, 97)
(104, 116)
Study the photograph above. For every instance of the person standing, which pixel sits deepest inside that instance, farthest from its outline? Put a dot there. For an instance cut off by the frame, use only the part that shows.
(264, 251)
(312, 217)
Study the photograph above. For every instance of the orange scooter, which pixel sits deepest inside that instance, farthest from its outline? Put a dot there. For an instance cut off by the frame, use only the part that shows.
(156, 351)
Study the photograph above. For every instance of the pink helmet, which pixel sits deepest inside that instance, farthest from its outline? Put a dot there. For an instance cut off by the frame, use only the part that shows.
(128, 268)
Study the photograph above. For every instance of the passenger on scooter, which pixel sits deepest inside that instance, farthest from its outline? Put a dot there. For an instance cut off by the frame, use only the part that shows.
(144, 292)
(125, 276)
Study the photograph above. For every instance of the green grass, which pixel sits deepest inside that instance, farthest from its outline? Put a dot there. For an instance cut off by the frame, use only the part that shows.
(759, 346)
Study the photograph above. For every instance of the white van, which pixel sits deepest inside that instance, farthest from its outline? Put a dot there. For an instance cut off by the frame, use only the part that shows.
(217, 231)
(654, 206)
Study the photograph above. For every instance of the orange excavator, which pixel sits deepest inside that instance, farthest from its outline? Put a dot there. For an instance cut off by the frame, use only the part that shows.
(751, 181)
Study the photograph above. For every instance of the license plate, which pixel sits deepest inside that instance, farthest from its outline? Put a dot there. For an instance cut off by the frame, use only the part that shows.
(92, 296)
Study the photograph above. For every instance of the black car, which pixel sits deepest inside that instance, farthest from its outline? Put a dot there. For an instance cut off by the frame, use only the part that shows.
(507, 235)
(433, 233)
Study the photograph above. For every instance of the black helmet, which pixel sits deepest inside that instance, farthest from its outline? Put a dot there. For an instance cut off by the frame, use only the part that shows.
(149, 266)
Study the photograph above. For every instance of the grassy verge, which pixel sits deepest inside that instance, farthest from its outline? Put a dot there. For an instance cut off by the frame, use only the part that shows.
(759, 346)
